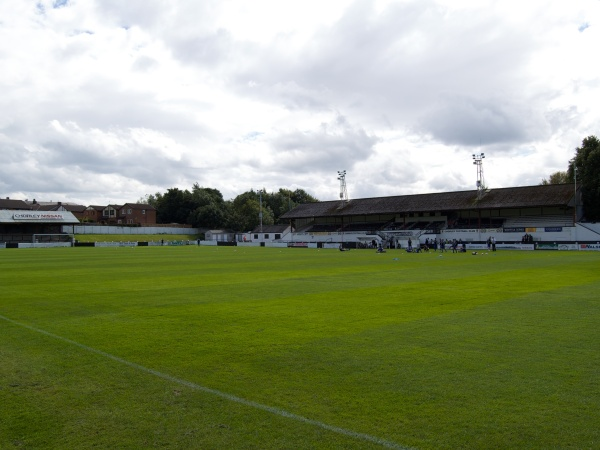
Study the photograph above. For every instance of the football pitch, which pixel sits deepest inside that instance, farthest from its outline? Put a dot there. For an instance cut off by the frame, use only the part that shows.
(266, 348)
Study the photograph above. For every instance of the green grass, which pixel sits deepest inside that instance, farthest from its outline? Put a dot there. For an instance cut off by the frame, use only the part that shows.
(116, 348)
(134, 237)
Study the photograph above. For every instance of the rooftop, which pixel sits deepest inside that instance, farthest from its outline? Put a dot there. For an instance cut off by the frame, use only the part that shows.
(515, 197)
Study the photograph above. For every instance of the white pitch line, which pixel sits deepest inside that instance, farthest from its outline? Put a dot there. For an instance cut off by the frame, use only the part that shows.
(230, 397)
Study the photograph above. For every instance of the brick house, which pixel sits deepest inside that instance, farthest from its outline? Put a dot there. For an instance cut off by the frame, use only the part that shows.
(127, 214)
(93, 213)
(137, 214)
(110, 215)
(77, 210)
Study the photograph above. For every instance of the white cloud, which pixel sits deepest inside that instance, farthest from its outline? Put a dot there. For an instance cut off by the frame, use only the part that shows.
(111, 100)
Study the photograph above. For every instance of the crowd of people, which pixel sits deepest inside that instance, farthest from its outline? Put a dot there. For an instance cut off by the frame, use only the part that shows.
(527, 239)
(443, 245)
(456, 245)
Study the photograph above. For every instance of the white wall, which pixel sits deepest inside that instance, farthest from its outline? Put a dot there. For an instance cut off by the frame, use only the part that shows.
(97, 229)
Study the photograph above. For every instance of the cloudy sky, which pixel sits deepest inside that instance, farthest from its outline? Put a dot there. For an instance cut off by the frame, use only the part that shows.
(106, 101)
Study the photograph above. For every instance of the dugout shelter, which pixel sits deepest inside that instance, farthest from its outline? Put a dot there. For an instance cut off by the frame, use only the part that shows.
(27, 226)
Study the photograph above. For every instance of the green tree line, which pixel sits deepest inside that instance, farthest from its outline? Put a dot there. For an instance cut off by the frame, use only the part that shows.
(584, 169)
(204, 207)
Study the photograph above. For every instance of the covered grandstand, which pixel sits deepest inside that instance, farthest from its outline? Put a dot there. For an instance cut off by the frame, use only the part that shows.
(36, 228)
(544, 212)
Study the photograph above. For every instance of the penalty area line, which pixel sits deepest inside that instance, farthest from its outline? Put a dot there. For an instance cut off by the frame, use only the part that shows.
(233, 398)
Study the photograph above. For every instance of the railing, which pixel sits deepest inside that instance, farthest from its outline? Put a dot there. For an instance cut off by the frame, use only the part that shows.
(13, 237)
(538, 221)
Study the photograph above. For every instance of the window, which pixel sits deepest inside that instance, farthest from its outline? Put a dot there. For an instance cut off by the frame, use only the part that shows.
(129, 211)
(277, 236)
(267, 236)
(256, 236)
(143, 211)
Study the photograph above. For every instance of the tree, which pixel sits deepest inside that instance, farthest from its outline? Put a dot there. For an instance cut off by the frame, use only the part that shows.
(174, 206)
(280, 202)
(560, 177)
(284, 200)
(203, 196)
(587, 164)
(205, 207)
(211, 211)
(209, 216)
(246, 209)
(301, 196)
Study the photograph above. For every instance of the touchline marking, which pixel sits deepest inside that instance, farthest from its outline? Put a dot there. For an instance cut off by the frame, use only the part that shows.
(230, 397)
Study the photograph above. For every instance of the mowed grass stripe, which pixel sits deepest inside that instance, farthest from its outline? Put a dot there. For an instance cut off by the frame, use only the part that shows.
(233, 398)
(429, 351)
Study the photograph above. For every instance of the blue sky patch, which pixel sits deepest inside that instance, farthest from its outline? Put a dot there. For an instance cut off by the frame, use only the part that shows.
(59, 3)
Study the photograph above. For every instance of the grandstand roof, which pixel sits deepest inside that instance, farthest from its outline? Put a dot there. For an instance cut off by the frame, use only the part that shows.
(515, 197)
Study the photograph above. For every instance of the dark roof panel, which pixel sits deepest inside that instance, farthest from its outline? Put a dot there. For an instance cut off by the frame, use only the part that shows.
(516, 197)
(271, 229)
(13, 204)
(139, 206)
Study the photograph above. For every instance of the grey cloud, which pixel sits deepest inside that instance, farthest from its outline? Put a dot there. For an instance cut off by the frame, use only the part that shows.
(398, 64)
(393, 179)
(144, 63)
(561, 118)
(102, 103)
(467, 121)
(293, 96)
(97, 152)
(450, 181)
(415, 75)
(143, 13)
(25, 166)
(205, 50)
(186, 28)
(330, 147)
